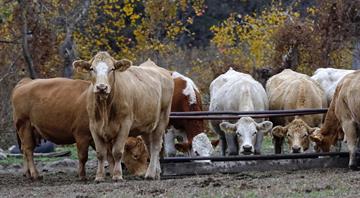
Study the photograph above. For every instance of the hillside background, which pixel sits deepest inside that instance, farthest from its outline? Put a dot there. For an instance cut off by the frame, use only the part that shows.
(199, 38)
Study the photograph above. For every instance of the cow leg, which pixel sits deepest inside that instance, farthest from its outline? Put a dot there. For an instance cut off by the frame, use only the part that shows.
(118, 149)
(232, 143)
(101, 152)
(27, 147)
(82, 145)
(349, 128)
(155, 139)
(278, 143)
(111, 161)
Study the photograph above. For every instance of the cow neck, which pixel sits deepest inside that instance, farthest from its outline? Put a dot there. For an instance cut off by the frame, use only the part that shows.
(104, 107)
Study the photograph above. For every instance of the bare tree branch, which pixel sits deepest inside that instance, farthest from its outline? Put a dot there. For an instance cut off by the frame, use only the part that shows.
(25, 45)
(11, 69)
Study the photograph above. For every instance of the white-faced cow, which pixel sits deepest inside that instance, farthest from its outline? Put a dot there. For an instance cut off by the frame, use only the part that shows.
(328, 78)
(346, 113)
(235, 91)
(125, 100)
(292, 90)
(186, 98)
(55, 109)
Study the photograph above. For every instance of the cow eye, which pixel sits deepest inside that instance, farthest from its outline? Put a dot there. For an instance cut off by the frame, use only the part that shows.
(91, 69)
(305, 135)
(289, 135)
(254, 133)
(196, 153)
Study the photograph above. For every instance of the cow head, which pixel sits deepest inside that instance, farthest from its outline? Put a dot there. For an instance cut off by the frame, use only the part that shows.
(326, 142)
(201, 146)
(297, 133)
(102, 67)
(246, 130)
(135, 156)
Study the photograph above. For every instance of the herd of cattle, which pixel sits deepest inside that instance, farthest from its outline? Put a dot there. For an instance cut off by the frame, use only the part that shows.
(123, 113)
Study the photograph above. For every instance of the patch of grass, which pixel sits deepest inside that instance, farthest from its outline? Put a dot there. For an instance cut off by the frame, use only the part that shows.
(72, 148)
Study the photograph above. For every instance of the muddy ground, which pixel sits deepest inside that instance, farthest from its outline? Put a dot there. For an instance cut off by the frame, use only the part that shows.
(59, 180)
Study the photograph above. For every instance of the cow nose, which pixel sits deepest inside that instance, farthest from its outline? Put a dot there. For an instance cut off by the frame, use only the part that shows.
(101, 87)
(247, 148)
(296, 149)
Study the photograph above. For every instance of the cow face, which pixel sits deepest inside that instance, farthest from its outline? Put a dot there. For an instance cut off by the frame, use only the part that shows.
(327, 142)
(102, 67)
(297, 133)
(246, 130)
(135, 156)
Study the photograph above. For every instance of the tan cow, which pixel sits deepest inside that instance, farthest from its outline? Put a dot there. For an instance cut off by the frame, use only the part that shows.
(126, 100)
(292, 90)
(53, 109)
(135, 156)
(346, 113)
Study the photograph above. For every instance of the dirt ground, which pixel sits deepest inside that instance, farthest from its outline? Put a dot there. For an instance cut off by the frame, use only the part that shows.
(60, 181)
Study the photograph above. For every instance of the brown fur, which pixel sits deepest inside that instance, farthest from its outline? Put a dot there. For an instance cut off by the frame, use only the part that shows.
(135, 156)
(54, 109)
(331, 130)
(292, 90)
(180, 103)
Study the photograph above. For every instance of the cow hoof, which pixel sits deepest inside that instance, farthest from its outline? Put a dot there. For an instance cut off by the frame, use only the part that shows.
(36, 178)
(82, 178)
(99, 179)
(117, 178)
(353, 167)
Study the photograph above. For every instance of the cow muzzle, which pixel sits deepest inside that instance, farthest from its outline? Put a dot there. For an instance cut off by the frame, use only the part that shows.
(102, 88)
(296, 149)
(247, 149)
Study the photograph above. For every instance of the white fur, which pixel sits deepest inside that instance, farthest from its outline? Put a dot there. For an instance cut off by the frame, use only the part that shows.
(102, 69)
(189, 89)
(235, 91)
(201, 146)
(328, 78)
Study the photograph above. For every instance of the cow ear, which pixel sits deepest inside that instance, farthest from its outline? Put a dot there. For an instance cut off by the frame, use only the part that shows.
(214, 143)
(316, 136)
(227, 127)
(264, 126)
(81, 65)
(183, 147)
(312, 130)
(139, 140)
(279, 131)
(122, 65)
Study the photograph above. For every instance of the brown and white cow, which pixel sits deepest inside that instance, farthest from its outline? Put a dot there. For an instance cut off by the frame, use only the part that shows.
(186, 98)
(292, 90)
(54, 109)
(126, 100)
(344, 111)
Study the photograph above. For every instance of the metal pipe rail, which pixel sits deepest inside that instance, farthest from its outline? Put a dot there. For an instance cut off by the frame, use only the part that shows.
(293, 112)
(255, 157)
(206, 115)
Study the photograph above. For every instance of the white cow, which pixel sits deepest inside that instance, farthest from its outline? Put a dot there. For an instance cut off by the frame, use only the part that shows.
(235, 91)
(328, 78)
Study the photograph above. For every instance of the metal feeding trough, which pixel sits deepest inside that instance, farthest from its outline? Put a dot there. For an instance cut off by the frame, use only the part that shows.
(178, 166)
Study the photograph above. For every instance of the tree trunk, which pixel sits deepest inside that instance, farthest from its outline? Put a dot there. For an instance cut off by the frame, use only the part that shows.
(25, 45)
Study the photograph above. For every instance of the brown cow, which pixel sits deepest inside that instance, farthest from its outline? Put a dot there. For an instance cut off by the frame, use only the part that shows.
(346, 113)
(292, 90)
(54, 109)
(330, 132)
(186, 98)
(126, 100)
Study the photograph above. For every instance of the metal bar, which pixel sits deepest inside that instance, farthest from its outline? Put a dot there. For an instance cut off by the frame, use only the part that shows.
(254, 157)
(249, 112)
(225, 117)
